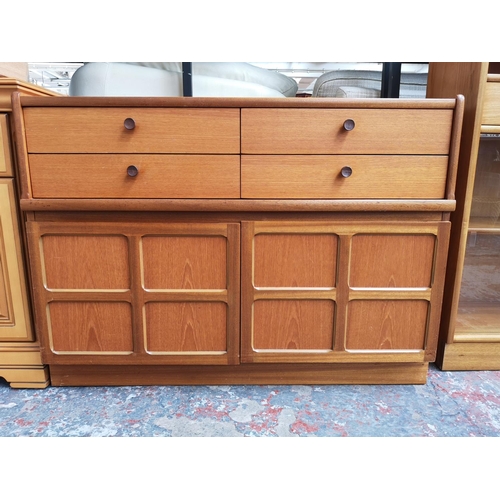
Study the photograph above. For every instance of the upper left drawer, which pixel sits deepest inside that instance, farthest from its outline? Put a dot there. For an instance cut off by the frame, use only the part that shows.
(132, 130)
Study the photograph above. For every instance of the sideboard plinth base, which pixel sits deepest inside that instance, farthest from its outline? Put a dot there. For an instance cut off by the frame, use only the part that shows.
(269, 374)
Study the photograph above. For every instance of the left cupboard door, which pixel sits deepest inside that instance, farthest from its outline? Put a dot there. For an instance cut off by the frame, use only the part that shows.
(136, 293)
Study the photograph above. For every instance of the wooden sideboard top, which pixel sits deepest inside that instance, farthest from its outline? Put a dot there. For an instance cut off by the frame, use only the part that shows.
(10, 85)
(240, 102)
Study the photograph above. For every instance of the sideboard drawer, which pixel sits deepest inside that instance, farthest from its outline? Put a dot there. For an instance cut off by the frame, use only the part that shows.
(321, 131)
(150, 130)
(158, 176)
(319, 176)
(491, 106)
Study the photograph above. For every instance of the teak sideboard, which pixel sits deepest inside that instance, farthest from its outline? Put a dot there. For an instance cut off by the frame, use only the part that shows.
(237, 240)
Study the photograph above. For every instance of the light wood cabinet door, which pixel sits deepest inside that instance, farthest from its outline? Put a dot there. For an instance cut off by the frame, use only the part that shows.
(343, 292)
(478, 313)
(138, 293)
(5, 152)
(15, 323)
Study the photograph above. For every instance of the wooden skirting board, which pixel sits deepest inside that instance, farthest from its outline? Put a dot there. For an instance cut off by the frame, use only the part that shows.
(282, 374)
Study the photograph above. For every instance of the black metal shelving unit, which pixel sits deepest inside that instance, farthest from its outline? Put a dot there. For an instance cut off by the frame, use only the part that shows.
(391, 79)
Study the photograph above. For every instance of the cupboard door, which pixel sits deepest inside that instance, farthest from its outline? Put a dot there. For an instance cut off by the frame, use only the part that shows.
(315, 292)
(5, 153)
(478, 314)
(137, 293)
(15, 321)
(289, 291)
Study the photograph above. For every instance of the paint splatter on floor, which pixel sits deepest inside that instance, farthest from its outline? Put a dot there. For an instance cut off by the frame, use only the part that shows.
(457, 404)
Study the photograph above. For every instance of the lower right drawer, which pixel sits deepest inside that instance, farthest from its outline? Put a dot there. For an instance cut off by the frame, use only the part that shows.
(343, 176)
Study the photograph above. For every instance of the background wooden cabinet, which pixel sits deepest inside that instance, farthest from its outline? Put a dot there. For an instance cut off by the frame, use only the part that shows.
(470, 331)
(20, 362)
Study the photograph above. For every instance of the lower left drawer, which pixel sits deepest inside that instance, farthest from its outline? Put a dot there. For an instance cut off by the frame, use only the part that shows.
(134, 176)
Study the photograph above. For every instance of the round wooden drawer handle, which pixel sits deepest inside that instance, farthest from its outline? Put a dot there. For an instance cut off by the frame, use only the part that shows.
(346, 172)
(129, 123)
(132, 171)
(349, 124)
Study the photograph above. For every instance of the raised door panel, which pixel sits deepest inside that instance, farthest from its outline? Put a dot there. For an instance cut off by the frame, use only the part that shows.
(386, 325)
(293, 325)
(491, 106)
(295, 260)
(118, 293)
(5, 151)
(85, 262)
(392, 260)
(178, 327)
(186, 262)
(90, 327)
(15, 320)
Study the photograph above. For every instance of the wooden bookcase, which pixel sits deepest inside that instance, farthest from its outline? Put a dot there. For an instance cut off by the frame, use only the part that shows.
(470, 327)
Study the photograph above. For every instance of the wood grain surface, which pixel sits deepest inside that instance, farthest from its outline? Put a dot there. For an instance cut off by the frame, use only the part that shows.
(315, 131)
(159, 176)
(102, 130)
(319, 176)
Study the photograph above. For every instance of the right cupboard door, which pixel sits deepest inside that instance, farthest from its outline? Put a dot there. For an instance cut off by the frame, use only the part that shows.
(342, 292)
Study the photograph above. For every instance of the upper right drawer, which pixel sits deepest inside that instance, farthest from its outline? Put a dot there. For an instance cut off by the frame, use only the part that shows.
(491, 107)
(345, 131)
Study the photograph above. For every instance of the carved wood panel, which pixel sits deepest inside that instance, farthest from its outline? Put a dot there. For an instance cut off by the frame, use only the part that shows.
(15, 323)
